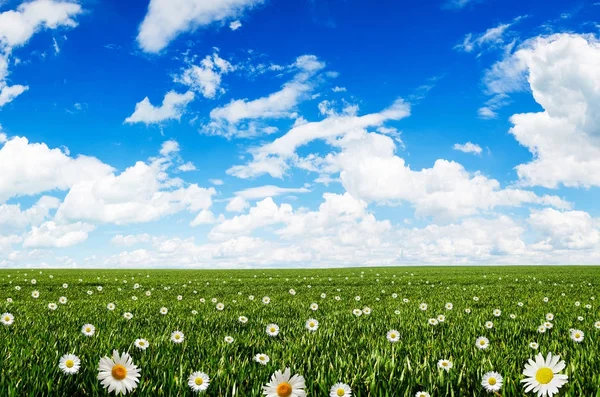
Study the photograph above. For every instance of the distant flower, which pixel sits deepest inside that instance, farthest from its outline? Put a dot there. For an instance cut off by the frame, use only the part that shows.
(243, 319)
(577, 335)
(534, 345)
(340, 390)
(423, 306)
(449, 306)
(7, 319)
(497, 312)
(220, 306)
(141, 344)
(312, 324)
(62, 300)
(314, 307)
(110, 306)
(422, 394)
(272, 330)
(482, 343)
(88, 330)
(128, 315)
(446, 365)
(492, 382)
(357, 312)
(52, 306)
(35, 294)
(393, 336)
(489, 324)
(262, 358)
(266, 300)
(177, 337)
(229, 339)
(164, 310)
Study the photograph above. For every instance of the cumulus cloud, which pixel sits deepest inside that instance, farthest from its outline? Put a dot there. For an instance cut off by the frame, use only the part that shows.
(18, 26)
(468, 147)
(235, 25)
(568, 150)
(573, 230)
(53, 235)
(260, 192)
(131, 239)
(172, 108)
(241, 117)
(167, 19)
(205, 78)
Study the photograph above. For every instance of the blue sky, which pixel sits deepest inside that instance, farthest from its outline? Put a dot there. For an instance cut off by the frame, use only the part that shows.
(264, 133)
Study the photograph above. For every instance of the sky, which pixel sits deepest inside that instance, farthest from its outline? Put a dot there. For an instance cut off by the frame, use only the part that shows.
(299, 133)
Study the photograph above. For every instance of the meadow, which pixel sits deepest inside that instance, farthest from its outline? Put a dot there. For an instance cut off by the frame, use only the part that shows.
(355, 310)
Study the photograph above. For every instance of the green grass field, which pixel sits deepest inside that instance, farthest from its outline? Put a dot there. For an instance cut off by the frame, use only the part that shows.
(345, 347)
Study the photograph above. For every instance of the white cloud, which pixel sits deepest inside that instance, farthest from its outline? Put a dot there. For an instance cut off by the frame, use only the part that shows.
(204, 217)
(172, 108)
(6, 243)
(50, 234)
(206, 77)
(261, 192)
(186, 167)
(458, 3)
(468, 147)
(18, 26)
(338, 89)
(273, 157)
(216, 182)
(33, 168)
(235, 25)
(167, 19)
(15, 219)
(169, 147)
(131, 239)
(573, 230)
(491, 38)
(568, 150)
(236, 118)
(237, 204)
(3, 137)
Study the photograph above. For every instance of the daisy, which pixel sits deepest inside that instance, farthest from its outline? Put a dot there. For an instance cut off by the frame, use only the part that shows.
(542, 329)
(366, 310)
(446, 365)
(177, 337)
(128, 315)
(549, 316)
(468, 311)
(35, 294)
(220, 306)
(512, 316)
(597, 324)
(579, 318)
(534, 345)
(251, 297)
(492, 382)
(441, 318)
(314, 307)
(272, 330)
(497, 312)
(88, 330)
(323, 296)
(489, 324)
(543, 376)
(228, 339)
(281, 385)
(52, 306)
(357, 312)
(110, 306)
(118, 373)
(7, 319)
(266, 300)
(340, 390)
(482, 343)
(433, 321)
(422, 394)
(62, 300)
(65, 286)
(423, 306)
(292, 292)
(476, 299)
(548, 324)
(449, 306)
(262, 358)
(312, 324)
(179, 297)
(164, 310)
(198, 381)
(577, 335)
(243, 319)
(393, 336)
(357, 298)
(69, 364)
(141, 344)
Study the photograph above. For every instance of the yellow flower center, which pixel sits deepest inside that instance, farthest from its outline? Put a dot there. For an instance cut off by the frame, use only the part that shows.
(444, 364)
(142, 343)
(119, 372)
(177, 336)
(69, 363)
(284, 389)
(272, 329)
(261, 358)
(6, 318)
(313, 324)
(393, 335)
(577, 335)
(199, 381)
(492, 381)
(482, 342)
(340, 392)
(544, 375)
(88, 329)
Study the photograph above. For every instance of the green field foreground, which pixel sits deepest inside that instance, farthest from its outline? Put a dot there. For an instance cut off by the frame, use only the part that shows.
(345, 348)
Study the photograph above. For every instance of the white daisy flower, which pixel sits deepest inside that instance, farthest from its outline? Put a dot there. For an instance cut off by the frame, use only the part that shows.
(543, 376)
(468, 311)
(198, 381)
(266, 300)
(65, 286)
(272, 330)
(548, 325)
(512, 316)
(141, 344)
(251, 297)
(597, 324)
(323, 296)
(282, 384)
(482, 343)
(489, 324)
(229, 339)
(177, 337)
(446, 365)
(262, 358)
(497, 312)
(118, 373)
(314, 307)
(549, 316)
(164, 310)
(292, 291)
(432, 321)
(340, 390)
(69, 364)
(52, 306)
(110, 306)
(35, 294)
(520, 304)
(128, 315)
(62, 300)
(579, 318)
(534, 345)
(366, 310)
(7, 319)
(577, 335)
(441, 318)
(88, 330)
(492, 382)
(449, 306)
(243, 319)
(357, 312)
(423, 306)
(422, 394)
(393, 336)
(312, 324)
